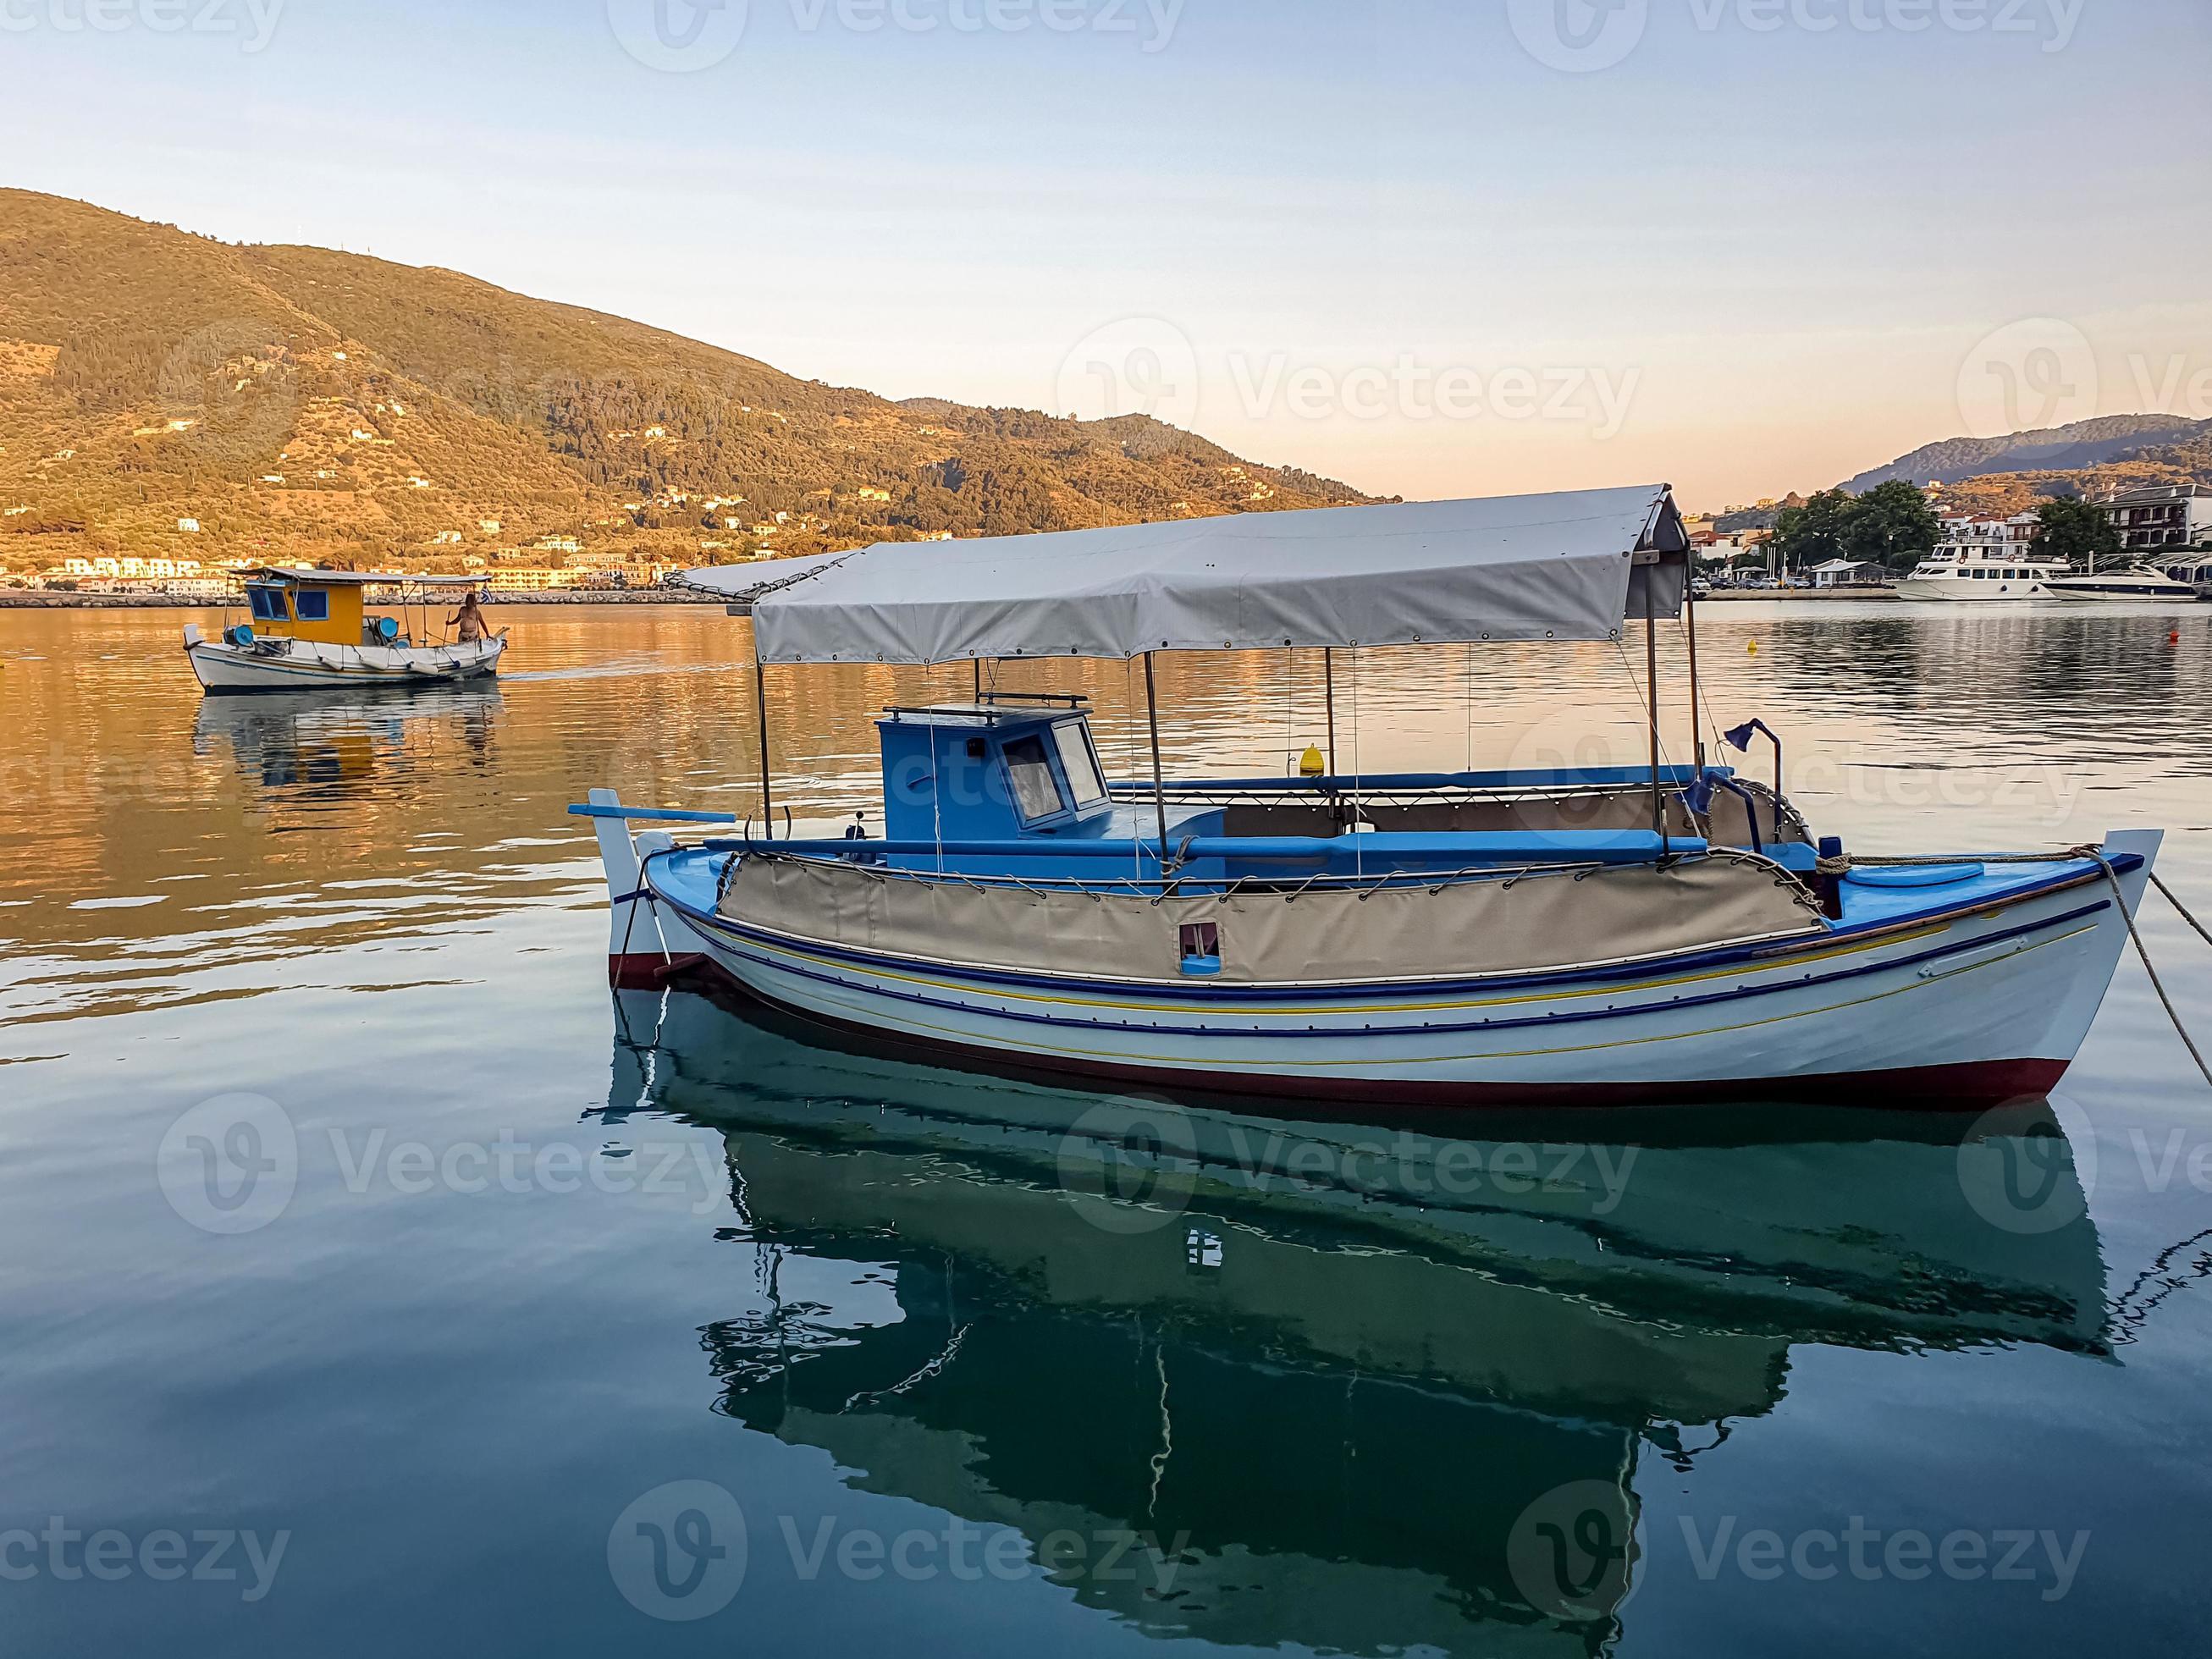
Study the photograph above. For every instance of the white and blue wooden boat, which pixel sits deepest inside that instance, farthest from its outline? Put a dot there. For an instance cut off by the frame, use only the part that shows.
(1654, 933)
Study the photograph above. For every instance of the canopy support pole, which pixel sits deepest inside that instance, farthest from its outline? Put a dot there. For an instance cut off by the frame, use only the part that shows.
(1328, 681)
(1690, 625)
(760, 708)
(979, 681)
(1652, 685)
(1159, 784)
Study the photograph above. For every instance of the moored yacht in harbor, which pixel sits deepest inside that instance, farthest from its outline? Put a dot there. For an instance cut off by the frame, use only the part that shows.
(1957, 572)
(2136, 582)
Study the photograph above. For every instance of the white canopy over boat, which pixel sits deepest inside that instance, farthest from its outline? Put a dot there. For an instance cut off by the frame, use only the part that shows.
(1557, 567)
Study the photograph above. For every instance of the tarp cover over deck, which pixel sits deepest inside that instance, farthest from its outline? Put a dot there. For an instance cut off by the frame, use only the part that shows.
(1558, 567)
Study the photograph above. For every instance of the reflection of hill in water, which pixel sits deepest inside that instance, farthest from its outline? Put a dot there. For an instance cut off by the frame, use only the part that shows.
(1352, 1412)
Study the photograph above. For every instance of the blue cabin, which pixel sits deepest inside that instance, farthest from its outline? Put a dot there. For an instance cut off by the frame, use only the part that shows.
(992, 771)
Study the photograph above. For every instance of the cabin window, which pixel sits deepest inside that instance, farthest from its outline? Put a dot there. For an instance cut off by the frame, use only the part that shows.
(1080, 763)
(315, 604)
(1036, 792)
(267, 604)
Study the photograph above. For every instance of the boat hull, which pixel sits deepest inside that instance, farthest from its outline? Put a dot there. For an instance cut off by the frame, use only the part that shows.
(224, 669)
(1972, 593)
(2095, 590)
(1945, 1009)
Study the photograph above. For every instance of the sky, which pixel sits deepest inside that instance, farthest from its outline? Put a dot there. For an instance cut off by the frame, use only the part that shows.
(1429, 247)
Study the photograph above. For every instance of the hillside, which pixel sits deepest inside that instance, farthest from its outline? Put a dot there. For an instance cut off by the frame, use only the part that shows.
(2086, 457)
(301, 403)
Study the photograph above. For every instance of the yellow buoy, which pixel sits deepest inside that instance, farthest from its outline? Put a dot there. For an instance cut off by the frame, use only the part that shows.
(1313, 763)
(1752, 648)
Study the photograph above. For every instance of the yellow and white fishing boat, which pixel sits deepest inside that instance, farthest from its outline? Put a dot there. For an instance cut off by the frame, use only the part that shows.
(312, 629)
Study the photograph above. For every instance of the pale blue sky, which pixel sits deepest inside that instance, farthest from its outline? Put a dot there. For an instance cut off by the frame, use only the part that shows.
(1745, 259)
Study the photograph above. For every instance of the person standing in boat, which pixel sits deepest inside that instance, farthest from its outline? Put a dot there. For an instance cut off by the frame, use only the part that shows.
(470, 620)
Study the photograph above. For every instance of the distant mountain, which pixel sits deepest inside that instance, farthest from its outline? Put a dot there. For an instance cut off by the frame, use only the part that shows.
(298, 403)
(2086, 444)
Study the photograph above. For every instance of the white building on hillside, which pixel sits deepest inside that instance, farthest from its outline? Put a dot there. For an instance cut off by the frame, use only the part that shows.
(2170, 516)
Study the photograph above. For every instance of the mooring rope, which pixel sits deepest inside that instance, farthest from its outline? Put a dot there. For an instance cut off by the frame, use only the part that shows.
(2142, 950)
(2182, 908)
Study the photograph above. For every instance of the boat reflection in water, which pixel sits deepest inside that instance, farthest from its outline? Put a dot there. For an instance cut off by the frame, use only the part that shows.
(1351, 1386)
(318, 745)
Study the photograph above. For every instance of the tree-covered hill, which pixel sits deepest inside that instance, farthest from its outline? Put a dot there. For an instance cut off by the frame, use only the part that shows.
(300, 403)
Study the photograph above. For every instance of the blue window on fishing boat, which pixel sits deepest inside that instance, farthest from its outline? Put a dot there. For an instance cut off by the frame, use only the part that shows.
(267, 604)
(1036, 791)
(313, 604)
(1080, 765)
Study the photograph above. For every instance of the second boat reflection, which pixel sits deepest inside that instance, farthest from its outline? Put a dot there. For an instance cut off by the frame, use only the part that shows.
(1357, 1387)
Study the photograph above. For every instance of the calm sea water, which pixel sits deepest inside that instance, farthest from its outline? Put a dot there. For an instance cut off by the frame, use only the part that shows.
(372, 1280)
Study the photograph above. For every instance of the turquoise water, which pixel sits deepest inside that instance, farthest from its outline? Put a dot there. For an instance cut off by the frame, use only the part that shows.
(552, 1321)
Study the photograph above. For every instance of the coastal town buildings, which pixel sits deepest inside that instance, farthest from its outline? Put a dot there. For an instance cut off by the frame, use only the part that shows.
(2165, 516)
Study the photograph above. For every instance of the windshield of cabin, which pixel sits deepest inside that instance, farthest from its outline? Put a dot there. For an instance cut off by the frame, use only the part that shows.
(1036, 792)
(1077, 760)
